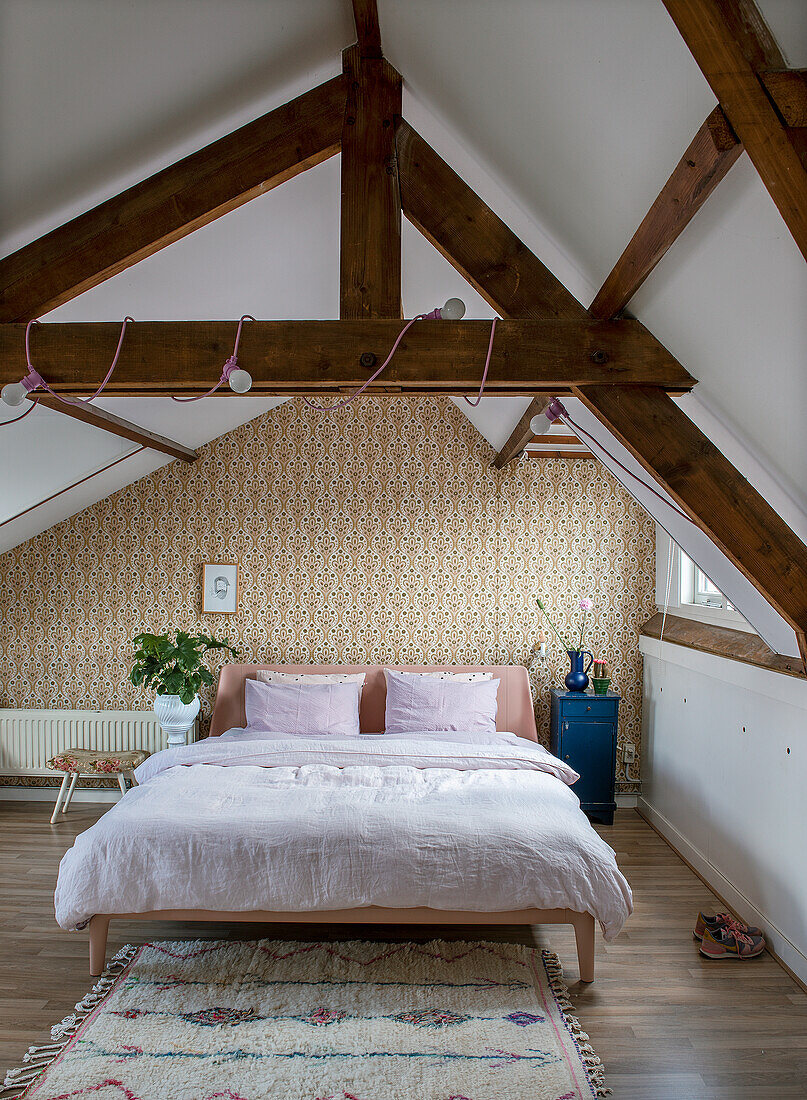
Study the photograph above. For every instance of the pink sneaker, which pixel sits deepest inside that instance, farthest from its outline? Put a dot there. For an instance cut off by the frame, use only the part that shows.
(730, 943)
(722, 920)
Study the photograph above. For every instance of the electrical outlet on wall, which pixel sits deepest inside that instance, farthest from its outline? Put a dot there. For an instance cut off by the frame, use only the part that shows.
(629, 753)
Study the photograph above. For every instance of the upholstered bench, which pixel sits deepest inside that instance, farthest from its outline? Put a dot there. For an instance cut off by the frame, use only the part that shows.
(76, 762)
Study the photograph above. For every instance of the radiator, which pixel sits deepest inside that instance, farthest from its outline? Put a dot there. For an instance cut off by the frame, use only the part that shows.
(29, 738)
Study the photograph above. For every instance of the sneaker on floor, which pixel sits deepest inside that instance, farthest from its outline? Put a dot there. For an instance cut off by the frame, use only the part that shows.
(730, 943)
(723, 920)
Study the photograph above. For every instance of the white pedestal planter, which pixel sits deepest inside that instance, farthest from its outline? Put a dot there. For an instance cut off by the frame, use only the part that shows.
(176, 717)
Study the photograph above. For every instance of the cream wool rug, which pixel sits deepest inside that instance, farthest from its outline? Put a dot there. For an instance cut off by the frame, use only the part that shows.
(222, 1020)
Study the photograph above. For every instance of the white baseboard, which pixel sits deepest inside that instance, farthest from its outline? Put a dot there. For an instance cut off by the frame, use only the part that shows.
(48, 794)
(787, 951)
(627, 801)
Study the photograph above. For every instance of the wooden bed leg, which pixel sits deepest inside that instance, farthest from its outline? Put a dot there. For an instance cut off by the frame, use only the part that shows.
(584, 937)
(99, 927)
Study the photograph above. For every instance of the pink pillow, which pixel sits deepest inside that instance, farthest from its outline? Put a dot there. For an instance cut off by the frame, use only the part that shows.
(325, 710)
(420, 703)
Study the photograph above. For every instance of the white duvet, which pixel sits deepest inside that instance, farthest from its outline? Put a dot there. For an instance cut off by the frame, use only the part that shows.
(299, 824)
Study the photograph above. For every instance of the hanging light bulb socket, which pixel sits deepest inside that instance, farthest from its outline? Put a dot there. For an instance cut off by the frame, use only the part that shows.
(14, 393)
(541, 423)
(238, 379)
(453, 310)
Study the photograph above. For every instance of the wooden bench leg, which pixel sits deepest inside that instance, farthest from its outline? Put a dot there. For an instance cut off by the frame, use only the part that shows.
(99, 928)
(70, 789)
(584, 938)
(60, 797)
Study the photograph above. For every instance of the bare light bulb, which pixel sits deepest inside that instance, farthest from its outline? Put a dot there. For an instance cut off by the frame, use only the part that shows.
(240, 381)
(13, 393)
(540, 424)
(453, 310)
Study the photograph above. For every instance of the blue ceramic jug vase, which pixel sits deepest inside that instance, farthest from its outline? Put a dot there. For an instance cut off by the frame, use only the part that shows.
(577, 680)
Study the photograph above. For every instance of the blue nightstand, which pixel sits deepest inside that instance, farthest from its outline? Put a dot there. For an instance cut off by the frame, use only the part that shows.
(583, 733)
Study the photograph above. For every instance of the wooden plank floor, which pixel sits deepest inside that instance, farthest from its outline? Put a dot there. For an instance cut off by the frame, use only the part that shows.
(668, 1024)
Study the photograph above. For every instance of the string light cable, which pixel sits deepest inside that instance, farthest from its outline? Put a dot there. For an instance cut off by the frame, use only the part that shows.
(453, 310)
(14, 393)
(556, 410)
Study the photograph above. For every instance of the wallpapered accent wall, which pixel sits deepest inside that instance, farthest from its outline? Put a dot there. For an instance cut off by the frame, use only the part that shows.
(381, 533)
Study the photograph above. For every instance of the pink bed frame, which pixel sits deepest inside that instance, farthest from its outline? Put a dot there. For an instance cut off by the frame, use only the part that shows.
(515, 713)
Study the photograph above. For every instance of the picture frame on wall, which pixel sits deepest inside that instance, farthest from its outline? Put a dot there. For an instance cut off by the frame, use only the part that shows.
(219, 588)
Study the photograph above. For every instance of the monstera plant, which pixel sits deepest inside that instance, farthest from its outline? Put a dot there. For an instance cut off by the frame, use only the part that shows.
(173, 667)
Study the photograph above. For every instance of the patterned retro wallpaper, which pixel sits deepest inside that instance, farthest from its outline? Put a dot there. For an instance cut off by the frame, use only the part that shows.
(381, 533)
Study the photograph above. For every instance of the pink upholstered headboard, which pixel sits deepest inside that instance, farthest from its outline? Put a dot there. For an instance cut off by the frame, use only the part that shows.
(515, 711)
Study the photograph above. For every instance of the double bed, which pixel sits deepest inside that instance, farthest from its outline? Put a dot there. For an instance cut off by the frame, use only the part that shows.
(424, 828)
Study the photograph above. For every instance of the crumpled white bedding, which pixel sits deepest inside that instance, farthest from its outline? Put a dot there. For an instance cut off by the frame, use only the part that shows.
(301, 824)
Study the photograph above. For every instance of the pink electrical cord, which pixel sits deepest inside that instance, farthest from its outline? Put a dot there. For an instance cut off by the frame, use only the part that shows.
(559, 411)
(420, 317)
(34, 380)
(475, 401)
(230, 366)
(35, 376)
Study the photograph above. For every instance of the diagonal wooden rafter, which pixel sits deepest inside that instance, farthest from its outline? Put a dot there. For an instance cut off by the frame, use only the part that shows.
(710, 155)
(711, 491)
(299, 356)
(768, 553)
(733, 47)
(169, 205)
(473, 239)
(116, 425)
(522, 434)
(788, 90)
(370, 243)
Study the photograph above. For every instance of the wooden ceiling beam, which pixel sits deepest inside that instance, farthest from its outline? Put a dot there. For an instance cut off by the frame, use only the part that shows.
(712, 152)
(169, 205)
(712, 493)
(732, 46)
(370, 244)
(473, 239)
(116, 425)
(788, 90)
(522, 434)
(161, 357)
(368, 28)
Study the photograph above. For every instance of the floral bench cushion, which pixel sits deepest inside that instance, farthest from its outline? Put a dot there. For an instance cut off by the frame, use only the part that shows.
(92, 760)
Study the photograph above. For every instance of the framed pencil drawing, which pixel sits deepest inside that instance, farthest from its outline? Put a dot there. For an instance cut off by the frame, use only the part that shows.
(219, 588)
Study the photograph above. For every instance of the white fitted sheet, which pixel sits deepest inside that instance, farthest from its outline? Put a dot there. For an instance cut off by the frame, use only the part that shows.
(302, 824)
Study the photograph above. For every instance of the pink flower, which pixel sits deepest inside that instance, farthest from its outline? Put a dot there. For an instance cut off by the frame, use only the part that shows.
(586, 604)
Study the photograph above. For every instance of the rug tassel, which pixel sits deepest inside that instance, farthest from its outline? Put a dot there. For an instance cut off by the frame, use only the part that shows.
(37, 1059)
(593, 1065)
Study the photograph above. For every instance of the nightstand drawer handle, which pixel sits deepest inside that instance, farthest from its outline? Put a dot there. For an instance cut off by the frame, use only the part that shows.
(588, 709)
(566, 757)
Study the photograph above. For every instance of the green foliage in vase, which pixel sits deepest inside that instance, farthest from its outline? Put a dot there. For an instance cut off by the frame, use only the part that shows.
(174, 667)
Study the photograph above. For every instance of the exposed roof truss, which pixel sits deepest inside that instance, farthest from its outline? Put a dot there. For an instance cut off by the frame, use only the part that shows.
(548, 342)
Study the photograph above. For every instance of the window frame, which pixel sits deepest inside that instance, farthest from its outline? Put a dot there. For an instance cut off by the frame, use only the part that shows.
(682, 594)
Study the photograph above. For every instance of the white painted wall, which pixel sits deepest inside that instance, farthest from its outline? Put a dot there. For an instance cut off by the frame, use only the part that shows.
(725, 767)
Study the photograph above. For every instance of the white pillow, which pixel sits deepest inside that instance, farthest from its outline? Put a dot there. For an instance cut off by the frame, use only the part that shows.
(458, 677)
(269, 676)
